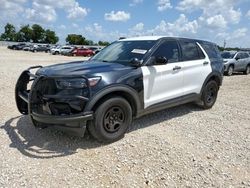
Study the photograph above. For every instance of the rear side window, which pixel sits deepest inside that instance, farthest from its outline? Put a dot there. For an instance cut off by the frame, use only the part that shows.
(211, 50)
(191, 51)
(245, 55)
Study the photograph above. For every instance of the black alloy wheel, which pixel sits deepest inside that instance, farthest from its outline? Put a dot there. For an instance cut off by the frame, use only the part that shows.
(112, 119)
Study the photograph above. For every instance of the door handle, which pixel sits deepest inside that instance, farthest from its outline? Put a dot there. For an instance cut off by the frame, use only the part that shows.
(205, 63)
(176, 68)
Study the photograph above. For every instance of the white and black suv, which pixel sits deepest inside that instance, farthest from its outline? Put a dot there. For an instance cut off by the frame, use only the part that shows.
(128, 79)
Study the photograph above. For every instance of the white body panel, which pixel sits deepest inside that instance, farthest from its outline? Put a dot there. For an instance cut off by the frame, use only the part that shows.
(162, 83)
(195, 73)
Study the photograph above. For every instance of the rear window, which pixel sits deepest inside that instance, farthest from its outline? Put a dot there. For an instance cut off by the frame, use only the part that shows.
(211, 50)
(191, 51)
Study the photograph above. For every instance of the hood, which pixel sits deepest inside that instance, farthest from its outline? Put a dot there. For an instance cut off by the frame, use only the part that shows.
(227, 60)
(81, 68)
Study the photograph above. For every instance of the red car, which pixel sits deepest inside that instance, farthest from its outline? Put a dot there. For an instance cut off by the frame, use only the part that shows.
(82, 52)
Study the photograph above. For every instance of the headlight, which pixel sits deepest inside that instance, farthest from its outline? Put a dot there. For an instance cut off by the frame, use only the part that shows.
(94, 81)
(72, 83)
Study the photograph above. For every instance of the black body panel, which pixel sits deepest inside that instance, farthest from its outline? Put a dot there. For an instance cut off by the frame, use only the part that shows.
(112, 75)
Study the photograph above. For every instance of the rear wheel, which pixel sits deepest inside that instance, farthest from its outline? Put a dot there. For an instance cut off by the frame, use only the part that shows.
(247, 71)
(230, 70)
(112, 119)
(209, 94)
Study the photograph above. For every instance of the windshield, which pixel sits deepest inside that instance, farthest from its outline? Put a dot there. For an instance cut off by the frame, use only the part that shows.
(227, 55)
(124, 51)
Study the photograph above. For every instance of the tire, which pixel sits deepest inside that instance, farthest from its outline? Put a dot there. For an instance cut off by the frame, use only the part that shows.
(230, 70)
(112, 119)
(56, 53)
(247, 71)
(209, 94)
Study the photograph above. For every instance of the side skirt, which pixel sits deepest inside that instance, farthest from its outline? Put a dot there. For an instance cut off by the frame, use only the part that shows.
(169, 103)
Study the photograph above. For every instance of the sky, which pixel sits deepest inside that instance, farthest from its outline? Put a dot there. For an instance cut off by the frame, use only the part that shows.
(107, 20)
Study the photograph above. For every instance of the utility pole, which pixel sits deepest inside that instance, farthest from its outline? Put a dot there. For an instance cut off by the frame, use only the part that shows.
(224, 44)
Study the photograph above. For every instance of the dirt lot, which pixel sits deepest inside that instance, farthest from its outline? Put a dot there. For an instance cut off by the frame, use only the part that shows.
(179, 147)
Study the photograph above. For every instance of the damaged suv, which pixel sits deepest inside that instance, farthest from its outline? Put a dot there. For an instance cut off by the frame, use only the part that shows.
(127, 79)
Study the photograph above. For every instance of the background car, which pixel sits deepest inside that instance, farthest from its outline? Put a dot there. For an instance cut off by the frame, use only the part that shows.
(95, 49)
(55, 50)
(40, 48)
(18, 46)
(27, 47)
(61, 50)
(236, 62)
(82, 52)
(67, 50)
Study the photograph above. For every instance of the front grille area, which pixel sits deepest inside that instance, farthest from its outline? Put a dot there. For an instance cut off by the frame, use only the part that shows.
(46, 98)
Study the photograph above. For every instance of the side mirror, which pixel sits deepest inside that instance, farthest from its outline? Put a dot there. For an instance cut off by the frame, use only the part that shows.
(237, 58)
(161, 61)
(135, 62)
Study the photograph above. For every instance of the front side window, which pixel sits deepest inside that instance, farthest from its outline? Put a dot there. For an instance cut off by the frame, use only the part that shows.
(191, 51)
(124, 51)
(239, 56)
(169, 50)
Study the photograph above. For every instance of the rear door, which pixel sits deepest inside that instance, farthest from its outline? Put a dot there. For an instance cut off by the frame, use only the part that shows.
(163, 82)
(196, 66)
(245, 58)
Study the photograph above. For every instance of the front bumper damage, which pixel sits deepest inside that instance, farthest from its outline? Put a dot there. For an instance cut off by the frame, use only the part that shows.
(49, 106)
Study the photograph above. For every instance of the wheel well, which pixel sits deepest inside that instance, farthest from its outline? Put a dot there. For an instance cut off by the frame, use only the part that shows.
(122, 94)
(231, 65)
(216, 79)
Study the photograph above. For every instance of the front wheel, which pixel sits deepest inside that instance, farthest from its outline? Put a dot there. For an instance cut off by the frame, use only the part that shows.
(209, 94)
(112, 119)
(230, 70)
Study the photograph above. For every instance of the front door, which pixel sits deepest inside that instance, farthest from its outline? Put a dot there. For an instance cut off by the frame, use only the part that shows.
(163, 82)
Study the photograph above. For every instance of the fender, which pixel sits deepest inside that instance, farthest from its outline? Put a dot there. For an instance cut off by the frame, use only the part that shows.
(215, 74)
(138, 103)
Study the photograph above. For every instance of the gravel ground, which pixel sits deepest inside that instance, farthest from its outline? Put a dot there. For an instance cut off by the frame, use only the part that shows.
(179, 147)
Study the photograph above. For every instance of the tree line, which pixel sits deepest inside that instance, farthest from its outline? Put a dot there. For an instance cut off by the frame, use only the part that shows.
(27, 33)
(75, 39)
(38, 34)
